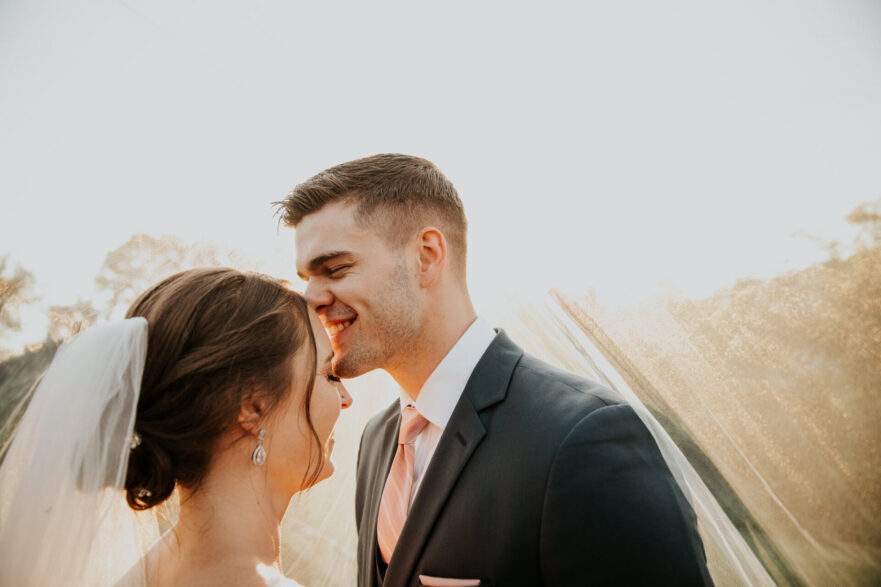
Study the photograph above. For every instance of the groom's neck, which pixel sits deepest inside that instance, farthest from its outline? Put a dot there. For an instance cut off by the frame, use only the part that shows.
(446, 318)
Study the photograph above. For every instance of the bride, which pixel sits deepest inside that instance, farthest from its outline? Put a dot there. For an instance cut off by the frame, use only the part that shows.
(218, 384)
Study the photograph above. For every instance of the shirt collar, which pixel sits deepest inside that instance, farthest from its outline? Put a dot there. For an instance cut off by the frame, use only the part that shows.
(440, 392)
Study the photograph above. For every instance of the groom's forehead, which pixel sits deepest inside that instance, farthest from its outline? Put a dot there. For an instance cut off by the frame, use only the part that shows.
(323, 228)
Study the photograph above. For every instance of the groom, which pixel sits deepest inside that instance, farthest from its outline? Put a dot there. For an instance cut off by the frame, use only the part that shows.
(493, 468)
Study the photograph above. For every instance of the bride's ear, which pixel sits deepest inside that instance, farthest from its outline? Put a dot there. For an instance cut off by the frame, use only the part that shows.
(252, 412)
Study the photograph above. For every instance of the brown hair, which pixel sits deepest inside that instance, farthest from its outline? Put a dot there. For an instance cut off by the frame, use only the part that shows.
(215, 336)
(396, 195)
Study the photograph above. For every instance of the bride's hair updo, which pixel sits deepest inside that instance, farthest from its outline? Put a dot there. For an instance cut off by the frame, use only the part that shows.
(215, 337)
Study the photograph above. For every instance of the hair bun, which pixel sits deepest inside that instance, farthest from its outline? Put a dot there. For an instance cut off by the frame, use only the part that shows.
(150, 478)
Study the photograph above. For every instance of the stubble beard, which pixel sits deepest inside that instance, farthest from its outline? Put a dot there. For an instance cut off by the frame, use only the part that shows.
(394, 330)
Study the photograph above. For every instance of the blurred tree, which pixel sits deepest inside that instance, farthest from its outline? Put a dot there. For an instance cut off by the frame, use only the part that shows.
(868, 217)
(65, 321)
(15, 291)
(783, 375)
(18, 374)
(144, 260)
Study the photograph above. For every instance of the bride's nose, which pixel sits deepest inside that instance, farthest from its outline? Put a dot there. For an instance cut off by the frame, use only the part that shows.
(345, 398)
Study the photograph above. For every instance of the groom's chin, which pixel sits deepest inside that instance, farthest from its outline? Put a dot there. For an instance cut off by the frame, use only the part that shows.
(348, 366)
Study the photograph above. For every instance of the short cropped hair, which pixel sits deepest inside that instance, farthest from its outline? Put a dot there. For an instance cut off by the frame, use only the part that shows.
(395, 195)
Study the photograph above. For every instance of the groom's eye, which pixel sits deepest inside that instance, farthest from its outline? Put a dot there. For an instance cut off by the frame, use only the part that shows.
(334, 270)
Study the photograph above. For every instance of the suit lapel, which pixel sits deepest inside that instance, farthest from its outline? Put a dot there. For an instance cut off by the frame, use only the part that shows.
(388, 443)
(487, 386)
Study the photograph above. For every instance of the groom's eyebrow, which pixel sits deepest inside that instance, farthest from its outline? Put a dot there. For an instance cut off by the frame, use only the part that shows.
(317, 262)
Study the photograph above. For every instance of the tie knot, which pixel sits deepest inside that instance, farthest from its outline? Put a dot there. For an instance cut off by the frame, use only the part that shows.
(412, 424)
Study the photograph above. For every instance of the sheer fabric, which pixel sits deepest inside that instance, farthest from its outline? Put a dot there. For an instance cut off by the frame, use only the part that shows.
(552, 334)
(63, 515)
(770, 391)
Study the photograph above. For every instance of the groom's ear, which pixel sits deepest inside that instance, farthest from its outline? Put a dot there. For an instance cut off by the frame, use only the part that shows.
(432, 246)
(252, 412)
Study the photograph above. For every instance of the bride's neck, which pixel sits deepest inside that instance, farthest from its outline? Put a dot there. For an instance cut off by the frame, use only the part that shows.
(231, 520)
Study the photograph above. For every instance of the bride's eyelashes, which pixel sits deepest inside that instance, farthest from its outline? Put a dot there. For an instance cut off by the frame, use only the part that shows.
(333, 378)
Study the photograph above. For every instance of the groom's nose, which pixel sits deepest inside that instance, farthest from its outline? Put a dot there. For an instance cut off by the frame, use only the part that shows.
(317, 296)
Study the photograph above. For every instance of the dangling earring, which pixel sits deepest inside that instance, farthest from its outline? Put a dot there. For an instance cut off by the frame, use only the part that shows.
(258, 457)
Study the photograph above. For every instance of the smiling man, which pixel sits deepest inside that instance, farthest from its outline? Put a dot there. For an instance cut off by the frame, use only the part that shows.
(356, 285)
(492, 467)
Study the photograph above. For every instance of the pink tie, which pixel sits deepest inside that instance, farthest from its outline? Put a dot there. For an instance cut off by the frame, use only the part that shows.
(396, 495)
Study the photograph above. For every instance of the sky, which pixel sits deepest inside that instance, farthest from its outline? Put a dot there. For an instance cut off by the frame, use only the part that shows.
(625, 147)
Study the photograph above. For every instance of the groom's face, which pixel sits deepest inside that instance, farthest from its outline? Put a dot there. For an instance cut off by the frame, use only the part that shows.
(362, 289)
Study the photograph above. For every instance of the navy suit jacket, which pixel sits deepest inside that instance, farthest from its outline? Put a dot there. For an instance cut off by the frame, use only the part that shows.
(540, 478)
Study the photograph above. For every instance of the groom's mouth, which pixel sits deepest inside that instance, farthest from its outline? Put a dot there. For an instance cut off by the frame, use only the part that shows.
(334, 329)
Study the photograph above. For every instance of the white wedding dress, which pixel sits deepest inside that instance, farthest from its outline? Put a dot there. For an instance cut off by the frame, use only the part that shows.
(273, 578)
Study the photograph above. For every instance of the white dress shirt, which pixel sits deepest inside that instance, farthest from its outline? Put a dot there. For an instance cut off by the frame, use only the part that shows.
(441, 391)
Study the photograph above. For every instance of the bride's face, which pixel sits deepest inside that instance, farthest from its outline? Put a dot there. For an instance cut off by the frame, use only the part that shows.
(292, 443)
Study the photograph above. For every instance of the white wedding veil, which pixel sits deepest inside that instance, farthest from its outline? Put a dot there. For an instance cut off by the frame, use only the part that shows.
(64, 519)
